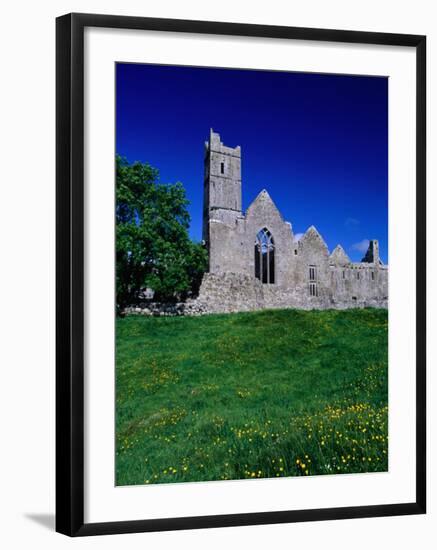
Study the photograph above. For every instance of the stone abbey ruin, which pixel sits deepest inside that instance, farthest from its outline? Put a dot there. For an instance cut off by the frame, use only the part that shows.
(255, 262)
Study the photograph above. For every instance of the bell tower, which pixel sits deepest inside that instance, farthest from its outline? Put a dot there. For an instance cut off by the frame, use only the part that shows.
(222, 184)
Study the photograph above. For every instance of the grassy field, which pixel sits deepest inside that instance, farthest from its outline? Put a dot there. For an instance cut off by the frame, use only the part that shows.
(250, 395)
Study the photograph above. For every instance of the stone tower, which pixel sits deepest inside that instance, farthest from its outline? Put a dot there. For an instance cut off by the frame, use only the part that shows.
(222, 184)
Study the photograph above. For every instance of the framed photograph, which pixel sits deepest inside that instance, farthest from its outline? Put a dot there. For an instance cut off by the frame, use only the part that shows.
(240, 274)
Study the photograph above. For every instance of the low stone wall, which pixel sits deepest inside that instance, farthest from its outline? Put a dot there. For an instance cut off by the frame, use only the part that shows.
(159, 309)
(232, 292)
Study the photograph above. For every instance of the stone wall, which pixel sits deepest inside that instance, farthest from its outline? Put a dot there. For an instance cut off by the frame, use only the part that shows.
(233, 292)
(236, 292)
(160, 309)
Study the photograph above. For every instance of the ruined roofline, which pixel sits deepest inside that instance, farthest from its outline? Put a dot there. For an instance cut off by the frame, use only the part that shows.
(359, 265)
(370, 259)
(369, 265)
(337, 256)
(216, 145)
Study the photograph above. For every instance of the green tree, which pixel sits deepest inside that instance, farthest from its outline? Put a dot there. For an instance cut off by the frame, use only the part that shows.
(153, 248)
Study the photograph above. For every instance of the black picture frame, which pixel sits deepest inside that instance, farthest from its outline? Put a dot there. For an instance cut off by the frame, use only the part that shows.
(70, 273)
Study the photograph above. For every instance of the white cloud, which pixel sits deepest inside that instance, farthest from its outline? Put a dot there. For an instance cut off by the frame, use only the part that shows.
(362, 246)
(297, 237)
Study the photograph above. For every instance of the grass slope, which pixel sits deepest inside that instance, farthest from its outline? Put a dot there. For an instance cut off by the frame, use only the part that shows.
(262, 394)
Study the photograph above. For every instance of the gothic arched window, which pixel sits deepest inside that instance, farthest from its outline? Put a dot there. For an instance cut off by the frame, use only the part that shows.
(265, 257)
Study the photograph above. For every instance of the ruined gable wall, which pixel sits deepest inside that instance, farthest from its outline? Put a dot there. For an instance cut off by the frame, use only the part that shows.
(263, 213)
(312, 251)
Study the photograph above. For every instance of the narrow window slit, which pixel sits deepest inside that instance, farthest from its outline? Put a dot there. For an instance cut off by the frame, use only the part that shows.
(314, 291)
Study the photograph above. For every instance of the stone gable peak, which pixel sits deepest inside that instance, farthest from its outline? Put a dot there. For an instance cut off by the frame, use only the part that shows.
(311, 234)
(263, 196)
(339, 256)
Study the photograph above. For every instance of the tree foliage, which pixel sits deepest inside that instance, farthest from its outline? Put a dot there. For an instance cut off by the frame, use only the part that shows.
(153, 246)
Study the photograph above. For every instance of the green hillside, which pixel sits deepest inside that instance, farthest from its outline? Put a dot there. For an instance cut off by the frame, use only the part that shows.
(249, 395)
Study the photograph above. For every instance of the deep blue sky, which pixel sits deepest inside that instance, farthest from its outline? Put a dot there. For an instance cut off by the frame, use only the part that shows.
(318, 143)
